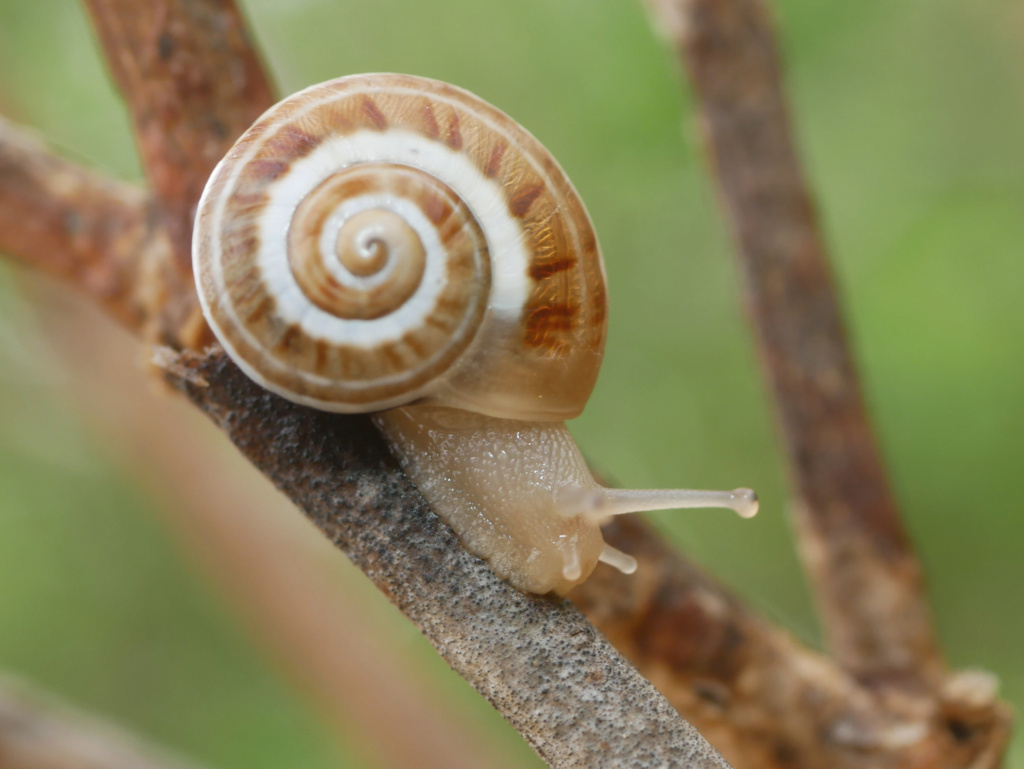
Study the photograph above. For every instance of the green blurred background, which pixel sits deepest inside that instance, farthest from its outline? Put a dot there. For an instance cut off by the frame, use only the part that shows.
(910, 118)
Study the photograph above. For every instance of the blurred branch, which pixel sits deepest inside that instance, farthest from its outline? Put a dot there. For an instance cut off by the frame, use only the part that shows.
(99, 234)
(36, 733)
(869, 584)
(192, 81)
(538, 661)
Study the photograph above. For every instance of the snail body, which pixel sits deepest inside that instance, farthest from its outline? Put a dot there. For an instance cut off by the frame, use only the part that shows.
(393, 244)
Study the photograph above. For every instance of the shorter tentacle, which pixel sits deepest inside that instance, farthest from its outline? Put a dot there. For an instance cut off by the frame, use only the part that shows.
(617, 559)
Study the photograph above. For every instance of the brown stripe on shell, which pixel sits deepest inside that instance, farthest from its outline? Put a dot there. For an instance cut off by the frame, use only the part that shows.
(373, 113)
(428, 125)
(249, 205)
(410, 341)
(448, 228)
(391, 358)
(266, 306)
(544, 324)
(436, 209)
(320, 365)
(544, 270)
(295, 141)
(437, 322)
(453, 136)
(290, 339)
(246, 292)
(303, 139)
(270, 170)
(240, 246)
(494, 161)
(524, 198)
(284, 146)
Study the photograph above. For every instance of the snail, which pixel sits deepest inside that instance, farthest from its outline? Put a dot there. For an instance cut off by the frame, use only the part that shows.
(392, 244)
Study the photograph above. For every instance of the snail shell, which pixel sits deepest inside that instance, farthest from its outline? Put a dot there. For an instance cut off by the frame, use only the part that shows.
(379, 240)
(391, 242)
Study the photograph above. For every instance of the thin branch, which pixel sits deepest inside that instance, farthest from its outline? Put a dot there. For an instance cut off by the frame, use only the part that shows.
(37, 733)
(538, 661)
(869, 584)
(99, 234)
(193, 83)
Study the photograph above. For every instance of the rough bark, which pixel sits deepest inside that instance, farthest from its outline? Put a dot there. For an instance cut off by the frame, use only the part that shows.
(537, 660)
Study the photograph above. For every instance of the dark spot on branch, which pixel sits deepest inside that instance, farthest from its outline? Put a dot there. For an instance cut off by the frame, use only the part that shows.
(72, 223)
(961, 731)
(165, 45)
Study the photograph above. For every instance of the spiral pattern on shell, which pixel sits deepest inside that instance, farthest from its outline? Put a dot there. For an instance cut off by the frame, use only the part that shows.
(383, 239)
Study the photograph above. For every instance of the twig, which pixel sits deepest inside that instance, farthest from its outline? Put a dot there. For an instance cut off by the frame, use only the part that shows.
(99, 234)
(192, 82)
(538, 661)
(36, 733)
(869, 584)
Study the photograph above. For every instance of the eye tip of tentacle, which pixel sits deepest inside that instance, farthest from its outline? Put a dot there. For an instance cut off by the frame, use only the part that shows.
(746, 502)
